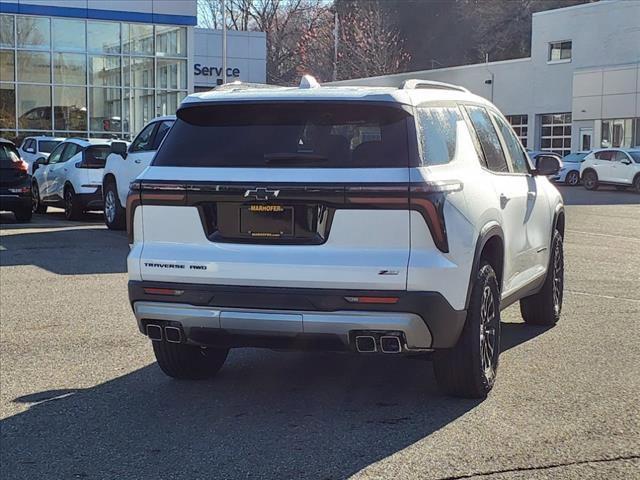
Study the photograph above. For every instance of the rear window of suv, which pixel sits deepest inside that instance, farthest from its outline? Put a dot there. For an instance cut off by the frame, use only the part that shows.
(295, 134)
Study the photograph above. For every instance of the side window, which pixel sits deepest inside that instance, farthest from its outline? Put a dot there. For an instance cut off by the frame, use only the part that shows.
(488, 139)
(29, 144)
(70, 150)
(606, 155)
(438, 131)
(163, 128)
(516, 152)
(620, 156)
(57, 153)
(143, 141)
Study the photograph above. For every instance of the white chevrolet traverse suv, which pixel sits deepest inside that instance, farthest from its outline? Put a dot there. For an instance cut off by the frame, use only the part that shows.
(70, 177)
(611, 166)
(125, 163)
(372, 220)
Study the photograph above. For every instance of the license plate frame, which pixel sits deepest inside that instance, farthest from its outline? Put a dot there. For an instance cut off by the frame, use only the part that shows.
(267, 221)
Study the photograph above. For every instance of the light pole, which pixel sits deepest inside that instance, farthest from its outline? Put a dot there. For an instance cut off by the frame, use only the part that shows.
(224, 42)
(335, 46)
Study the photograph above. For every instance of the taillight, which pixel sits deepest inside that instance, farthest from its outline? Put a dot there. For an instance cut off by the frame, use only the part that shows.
(21, 166)
(133, 201)
(163, 291)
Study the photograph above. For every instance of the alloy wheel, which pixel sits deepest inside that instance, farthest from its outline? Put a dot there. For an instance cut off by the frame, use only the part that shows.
(110, 206)
(488, 330)
(558, 277)
(573, 178)
(35, 198)
(68, 204)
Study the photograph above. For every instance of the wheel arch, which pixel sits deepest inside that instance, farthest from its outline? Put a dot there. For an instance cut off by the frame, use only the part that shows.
(489, 246)
(558, 221)
(589, 169)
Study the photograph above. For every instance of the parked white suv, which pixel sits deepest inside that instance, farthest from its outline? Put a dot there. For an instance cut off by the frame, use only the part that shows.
(125, 163)
(372, 220)
(611, 166)
(71, 177)
(33, 149)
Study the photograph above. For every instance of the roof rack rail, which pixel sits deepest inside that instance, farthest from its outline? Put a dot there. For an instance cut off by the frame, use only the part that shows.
(239, 85)
(414, 83)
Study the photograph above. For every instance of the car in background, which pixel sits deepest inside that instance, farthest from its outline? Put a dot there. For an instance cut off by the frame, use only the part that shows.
(35, 148)
(611, 166)
(15, 182)
(570, 171)
(125, 163)
(71, 177)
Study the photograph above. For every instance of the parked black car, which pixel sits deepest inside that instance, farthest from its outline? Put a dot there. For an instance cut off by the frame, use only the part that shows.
(15, 182)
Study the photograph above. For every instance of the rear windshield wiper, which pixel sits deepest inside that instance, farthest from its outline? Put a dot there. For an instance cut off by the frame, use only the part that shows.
(294, 157)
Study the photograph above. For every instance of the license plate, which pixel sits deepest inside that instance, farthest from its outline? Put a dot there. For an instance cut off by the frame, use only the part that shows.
(266, 221)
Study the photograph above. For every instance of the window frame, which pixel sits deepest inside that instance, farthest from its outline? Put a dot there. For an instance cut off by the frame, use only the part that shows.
(497, 117)
(482, 160)
(151, 125)
(61, 146)
(550, 45)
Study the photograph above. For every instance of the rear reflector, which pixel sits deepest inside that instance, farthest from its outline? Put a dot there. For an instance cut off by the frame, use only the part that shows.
(163, 291)
(387, 300)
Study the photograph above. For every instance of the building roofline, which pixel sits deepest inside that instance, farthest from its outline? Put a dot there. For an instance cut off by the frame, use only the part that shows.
(575, 7)
(445, 69)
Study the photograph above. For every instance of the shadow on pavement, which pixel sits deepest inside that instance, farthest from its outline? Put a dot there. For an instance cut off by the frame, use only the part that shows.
(605, 195)
(289, 415)
(77, 251)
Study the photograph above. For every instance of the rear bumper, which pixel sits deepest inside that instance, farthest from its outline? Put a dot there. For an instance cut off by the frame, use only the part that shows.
(92, 200)
(249, 316)
(13, 201)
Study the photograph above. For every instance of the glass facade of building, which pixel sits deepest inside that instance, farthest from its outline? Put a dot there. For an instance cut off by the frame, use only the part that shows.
(77, 77)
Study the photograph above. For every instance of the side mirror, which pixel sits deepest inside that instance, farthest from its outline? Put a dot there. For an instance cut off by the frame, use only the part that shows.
(547, 165)
(120, 148)
(37, 163)
(626, 161)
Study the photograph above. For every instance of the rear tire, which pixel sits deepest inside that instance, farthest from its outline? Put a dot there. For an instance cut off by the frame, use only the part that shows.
(189, 362)
(114, 214)
(572, 179)
(636, 184)
(72, 207)
(544, 307)
(590, 180)
(469, 369)
(23, 215)
(38, 206)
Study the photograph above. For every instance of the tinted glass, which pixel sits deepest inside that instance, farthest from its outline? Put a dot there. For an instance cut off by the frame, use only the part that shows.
(516, 152)
(69, 151)
(143, 142)
(488, 139)
(96, 155)
(635, 156)
(34, 67)
(70, 110)
(7, 105)
(8, 154)
(312, 134)
(7, 38)
(34, 107)
(69, 68)
(7, 65)
(68, 35)
(103, 37)
(106, 110)
(163, 128)
(33, 32)
(47, 146)
(605, 155)
(56, 154)
(104, 70)
(438, 131)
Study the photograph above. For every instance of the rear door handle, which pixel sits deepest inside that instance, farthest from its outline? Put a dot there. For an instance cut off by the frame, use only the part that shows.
(137, 161)
(503, 200)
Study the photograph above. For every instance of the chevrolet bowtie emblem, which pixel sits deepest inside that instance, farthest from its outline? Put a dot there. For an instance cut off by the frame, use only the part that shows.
(261, 194)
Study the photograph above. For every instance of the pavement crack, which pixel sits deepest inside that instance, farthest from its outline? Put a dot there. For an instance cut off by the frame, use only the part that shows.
(543, 467)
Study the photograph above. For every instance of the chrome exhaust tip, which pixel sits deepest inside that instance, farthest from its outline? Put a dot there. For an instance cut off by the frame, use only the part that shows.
(366, 344)
(154, 332)
(173, 334)
(390, 344)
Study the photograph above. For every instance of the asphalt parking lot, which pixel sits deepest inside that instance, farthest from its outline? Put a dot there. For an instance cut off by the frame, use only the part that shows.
(82, 397)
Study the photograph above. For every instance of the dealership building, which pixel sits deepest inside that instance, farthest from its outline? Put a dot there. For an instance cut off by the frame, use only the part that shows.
(103, 68)
(579, 89)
